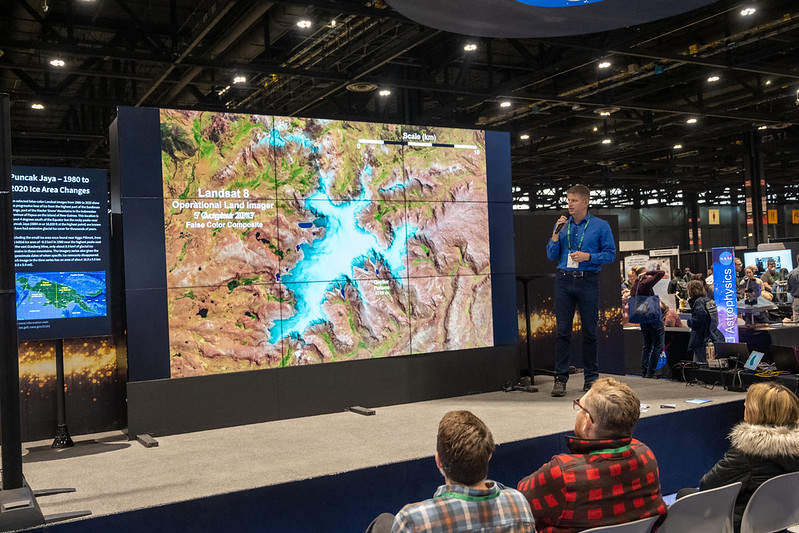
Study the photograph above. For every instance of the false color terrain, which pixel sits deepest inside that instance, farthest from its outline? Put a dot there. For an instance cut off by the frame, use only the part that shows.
(298, 241)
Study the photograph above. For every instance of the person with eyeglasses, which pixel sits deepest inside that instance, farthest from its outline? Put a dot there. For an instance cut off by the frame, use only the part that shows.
(608, 478)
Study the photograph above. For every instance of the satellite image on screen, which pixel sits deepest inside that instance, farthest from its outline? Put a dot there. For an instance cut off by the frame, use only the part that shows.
(44, 295)
(296, 241)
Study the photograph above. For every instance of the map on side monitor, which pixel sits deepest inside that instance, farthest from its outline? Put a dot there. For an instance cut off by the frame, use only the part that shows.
(43, 295)
(293, 241)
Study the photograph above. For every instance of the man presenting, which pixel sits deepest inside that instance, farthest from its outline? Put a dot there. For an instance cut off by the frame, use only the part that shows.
(608, 478)
(580, 244)
(467, 501)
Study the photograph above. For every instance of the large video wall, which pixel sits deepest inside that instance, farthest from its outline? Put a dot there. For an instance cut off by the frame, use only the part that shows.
(294, 241)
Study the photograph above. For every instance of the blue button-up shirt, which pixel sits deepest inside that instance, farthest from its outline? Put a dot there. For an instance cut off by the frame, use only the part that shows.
(592, 235)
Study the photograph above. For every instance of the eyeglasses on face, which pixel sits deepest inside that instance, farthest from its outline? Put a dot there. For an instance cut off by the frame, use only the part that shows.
(577, 406)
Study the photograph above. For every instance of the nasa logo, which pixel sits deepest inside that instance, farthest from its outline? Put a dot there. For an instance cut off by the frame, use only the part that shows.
(557, 3)
(725, 258)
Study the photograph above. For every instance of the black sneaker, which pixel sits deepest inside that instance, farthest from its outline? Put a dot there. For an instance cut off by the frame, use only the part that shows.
(587, 385)
(559, 389)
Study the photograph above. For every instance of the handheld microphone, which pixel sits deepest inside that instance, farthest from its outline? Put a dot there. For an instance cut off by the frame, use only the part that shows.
(560, 226)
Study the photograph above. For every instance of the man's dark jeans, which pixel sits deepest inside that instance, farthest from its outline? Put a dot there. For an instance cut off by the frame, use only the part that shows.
(580, 293)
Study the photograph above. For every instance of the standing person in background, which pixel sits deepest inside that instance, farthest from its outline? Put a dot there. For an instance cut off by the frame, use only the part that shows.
(769, 278)
(653, 333)
(793, 289)
(581, 244)
(688, 275)
(701, 323)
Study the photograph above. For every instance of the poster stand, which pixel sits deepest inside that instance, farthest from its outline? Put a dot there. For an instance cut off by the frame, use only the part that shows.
(62, 438)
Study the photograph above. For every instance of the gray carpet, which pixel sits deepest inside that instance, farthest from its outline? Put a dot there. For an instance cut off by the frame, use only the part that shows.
(113, 475)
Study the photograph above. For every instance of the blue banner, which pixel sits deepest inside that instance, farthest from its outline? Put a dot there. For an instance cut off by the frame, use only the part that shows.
(725, 292)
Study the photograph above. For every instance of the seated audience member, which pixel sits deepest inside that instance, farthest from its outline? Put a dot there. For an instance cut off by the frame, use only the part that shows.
(763, 446)
(608, 478)
(467, 501)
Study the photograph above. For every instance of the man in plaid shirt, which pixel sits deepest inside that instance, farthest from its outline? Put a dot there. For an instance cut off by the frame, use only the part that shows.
(609, 478)
(467, 501)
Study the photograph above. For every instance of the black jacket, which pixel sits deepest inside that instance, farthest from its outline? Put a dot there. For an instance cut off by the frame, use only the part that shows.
(756, 454)
(700, 324)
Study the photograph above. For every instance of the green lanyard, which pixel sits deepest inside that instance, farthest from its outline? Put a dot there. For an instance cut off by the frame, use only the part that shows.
(610, 450)
(468, 498)
(569, 233)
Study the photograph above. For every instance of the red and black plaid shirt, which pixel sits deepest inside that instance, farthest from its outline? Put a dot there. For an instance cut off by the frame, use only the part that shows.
(603, 482)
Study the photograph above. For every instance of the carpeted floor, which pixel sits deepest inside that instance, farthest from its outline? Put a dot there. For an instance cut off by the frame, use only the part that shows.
(112, 474)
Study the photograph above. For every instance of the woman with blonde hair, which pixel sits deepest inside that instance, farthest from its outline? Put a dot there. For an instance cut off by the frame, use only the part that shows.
(763, 446)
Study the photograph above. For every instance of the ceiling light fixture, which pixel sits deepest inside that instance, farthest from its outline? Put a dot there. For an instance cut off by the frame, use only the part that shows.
(333, 23)
(768, 82)
(745, 12)
(524, 137)
(37, 106)
(711, 79)
(606, 141)
(504, 104)
(762, 127)
(304, 23)
(604, 113)
(384, 92)
(239, 79)
(471, 47)
(691, 121)
(596, 129)
(57, 62)
(678, 147)
(604, 64)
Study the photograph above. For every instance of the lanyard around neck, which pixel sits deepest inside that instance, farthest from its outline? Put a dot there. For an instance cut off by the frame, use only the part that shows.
(569, 233)
(468, 498)
(610, 450)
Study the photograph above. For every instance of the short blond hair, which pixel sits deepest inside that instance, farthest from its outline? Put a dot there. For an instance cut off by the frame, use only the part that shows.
(580, 190)
(772, 404)
(615, 407)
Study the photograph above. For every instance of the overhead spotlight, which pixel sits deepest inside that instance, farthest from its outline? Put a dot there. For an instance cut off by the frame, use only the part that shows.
(57, 62)
(304, 23)
(606, 141)
(471, 47)
(604, 64)
(384, 92)
(604, 113)
(745, 12)
(768, 82)
(713, 78)
(45, 6)
(37, 106)
(762, 127)
(797, 96)
(524, 137)
(239, 79)
(691, 121)
(596, 129)
(333, 23)
(678, 147)
(220, 92)
(504, 104)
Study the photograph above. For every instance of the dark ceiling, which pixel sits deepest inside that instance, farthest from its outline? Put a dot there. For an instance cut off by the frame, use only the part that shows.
(185, 54)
